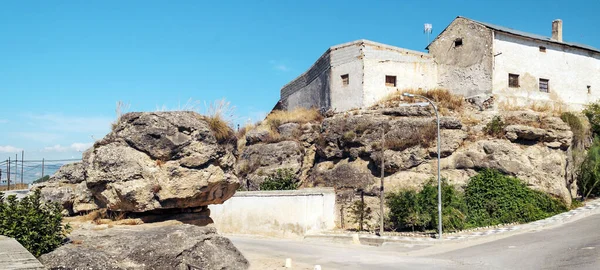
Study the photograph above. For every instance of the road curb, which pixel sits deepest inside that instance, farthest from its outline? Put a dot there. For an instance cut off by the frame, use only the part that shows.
(591, 207)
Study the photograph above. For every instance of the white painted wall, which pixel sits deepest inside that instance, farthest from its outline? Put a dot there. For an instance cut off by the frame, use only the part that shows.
(346, 59)
(289, 214)
(413, 70)
(569, 70)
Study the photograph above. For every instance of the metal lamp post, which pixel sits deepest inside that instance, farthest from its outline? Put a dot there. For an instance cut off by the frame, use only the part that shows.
(437, 117)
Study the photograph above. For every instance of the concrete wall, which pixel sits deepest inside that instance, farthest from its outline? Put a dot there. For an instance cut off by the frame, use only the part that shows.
(569, 71)
(413, 70)
(276, 213)
(346, 59)
(466, 69)
(311, 89)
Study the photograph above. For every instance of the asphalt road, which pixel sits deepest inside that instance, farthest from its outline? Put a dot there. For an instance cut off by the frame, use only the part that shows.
(575, 245)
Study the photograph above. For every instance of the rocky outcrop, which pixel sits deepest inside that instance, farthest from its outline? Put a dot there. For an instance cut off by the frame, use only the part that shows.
(346, 152)
(150, 162)
(174, 246)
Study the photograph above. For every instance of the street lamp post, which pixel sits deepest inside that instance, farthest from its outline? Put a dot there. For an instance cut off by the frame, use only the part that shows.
(437, 117)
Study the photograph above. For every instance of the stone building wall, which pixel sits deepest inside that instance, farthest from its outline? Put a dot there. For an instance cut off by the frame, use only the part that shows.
(569, 71)
(463, 53)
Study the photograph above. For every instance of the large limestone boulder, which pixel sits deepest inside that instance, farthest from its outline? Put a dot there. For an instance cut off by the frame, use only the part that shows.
(540, 166)
(170, 246)
(149, 162)
(259, 160)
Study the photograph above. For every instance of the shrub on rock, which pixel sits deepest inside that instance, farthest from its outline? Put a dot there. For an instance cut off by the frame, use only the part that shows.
(35, 225)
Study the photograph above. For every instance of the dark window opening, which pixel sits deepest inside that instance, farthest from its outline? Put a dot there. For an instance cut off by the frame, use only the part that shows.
(345, 80)
(513, 80)
(390, 81)
(544, 85)
(589, 89)
(542, 49)
(458, 42)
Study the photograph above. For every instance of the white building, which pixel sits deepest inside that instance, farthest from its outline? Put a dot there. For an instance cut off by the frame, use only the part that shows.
(470, 58)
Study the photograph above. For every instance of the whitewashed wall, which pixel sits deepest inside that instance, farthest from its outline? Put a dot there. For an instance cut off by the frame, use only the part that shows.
(288, 214)
(569, 70)
(413, 70)
(346, 59)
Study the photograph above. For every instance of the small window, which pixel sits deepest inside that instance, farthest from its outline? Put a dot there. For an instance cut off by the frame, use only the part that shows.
(345, 80)
(542, 49)
(458, 42)
(513, 80)
(544, 86)
(390, 81)
(589, 89)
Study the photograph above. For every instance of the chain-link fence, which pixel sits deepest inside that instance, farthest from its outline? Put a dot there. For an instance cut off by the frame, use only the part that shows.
(18, 173)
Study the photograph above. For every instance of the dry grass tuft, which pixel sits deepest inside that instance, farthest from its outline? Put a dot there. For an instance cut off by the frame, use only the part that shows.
(444, 99)
(77, 242)
(128, 221)
(220, 128)
(554, 108)
(298, 115)
(119, 110)
(424, 136)
(14, 186)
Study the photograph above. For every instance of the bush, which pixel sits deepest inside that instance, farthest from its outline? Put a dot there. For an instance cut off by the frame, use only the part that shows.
(495, 127)
(592, 112)
(282, 179)
(409, 209)
(35, 225)
(360, 214)
(490, 198)
(580, 131)
(42, 179)
(493, 198)
(588, 179)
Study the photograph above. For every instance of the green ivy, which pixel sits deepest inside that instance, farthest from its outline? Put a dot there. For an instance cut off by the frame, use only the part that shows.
(493, 198)
(37, 226)
(490, 198)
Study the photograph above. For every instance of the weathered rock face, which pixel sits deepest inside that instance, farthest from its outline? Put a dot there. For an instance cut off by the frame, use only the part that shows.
(150, 161)
(146, 247)
(346, 152)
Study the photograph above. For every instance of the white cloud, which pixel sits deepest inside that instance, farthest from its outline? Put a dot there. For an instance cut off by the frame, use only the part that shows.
(3, 121)
(9, 149)
(277, 65)
(78, 124)
(76, 147)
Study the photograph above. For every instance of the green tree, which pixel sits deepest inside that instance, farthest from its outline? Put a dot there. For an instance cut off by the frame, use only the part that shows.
(361, 214)
(411, 209)
(37, 226)
(282, 179)
(588, 179)
(592, 112)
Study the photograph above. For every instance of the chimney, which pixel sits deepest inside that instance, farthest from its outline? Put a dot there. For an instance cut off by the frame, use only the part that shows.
(557, 30)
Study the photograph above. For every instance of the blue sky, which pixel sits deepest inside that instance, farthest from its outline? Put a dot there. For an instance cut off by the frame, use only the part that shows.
(65, 64)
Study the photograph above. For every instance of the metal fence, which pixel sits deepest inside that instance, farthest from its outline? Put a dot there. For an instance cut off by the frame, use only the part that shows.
(17, 173)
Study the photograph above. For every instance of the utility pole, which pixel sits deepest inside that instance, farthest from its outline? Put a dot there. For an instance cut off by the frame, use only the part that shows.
(42, 167)
(16, 170)
(8, 174)
(22, 161)
(381, 197)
